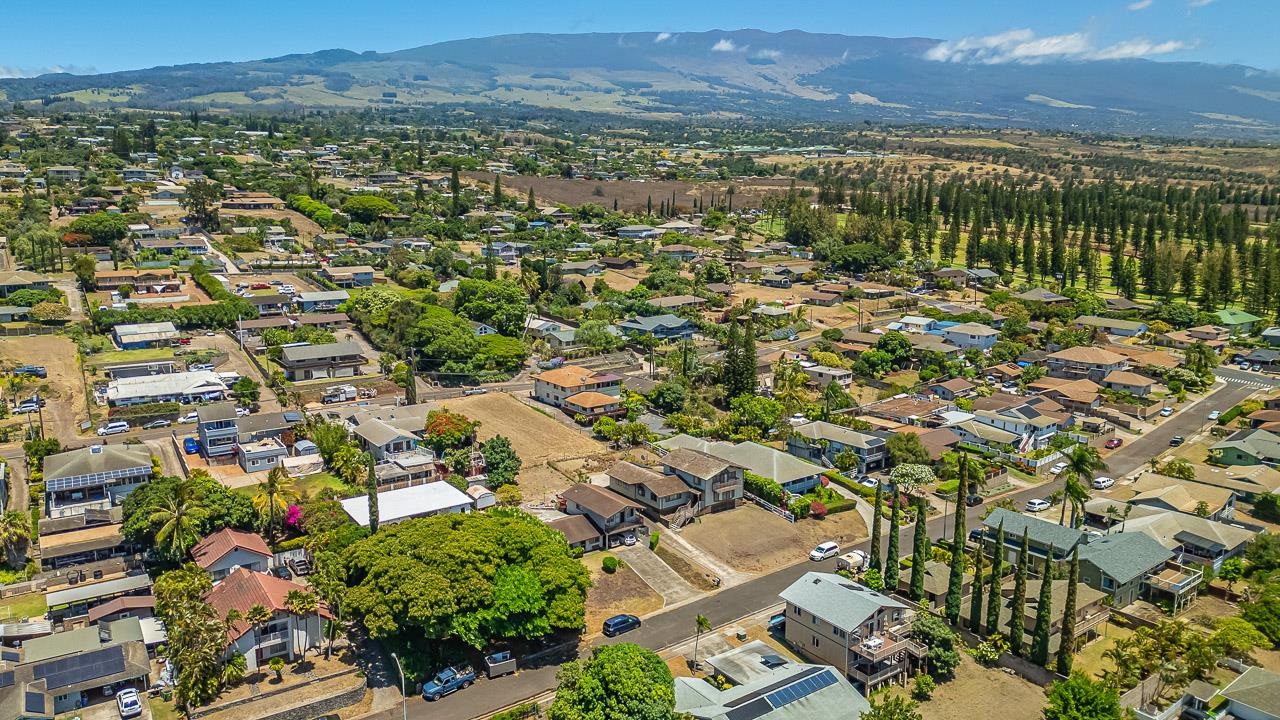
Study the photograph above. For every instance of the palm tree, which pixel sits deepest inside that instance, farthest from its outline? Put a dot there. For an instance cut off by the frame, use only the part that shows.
(1082, 462)
(15, 532)
(179, 516)
(702, 624)
(274, 496)
(257, 616)
(303, 604)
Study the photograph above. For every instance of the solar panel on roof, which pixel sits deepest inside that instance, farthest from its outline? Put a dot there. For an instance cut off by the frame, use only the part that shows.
(801, 689)
(81, 668)
(752, 710)
(35, 702)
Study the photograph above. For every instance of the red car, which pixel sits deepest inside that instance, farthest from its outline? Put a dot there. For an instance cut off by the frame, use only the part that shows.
(259, 286)
(1114, 443)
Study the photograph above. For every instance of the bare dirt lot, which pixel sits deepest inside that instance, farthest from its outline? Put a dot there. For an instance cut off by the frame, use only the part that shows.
(538, 439)
(63, 389)
(754, 540)
(980, 692)
(621, 592)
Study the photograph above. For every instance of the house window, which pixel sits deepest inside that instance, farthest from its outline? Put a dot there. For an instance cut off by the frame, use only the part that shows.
(814, 638)
(838, 632)
(1108, 583)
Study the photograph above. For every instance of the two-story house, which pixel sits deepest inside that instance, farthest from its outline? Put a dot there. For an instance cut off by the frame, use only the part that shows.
(383, 440)
(793, 474)
(95, 478)
(286, 634)
(861, 632)
(1085, 362)
(661, 495)
(224, 551)
(971, 335)
(273, 304)
(719, 482)
(822, 376)
(662, 327)
(312, 362)
(216, 427)
(1112, 326)
(815, 440)
(349, 276)
(611, 513)
(322, 301)
(554, 387)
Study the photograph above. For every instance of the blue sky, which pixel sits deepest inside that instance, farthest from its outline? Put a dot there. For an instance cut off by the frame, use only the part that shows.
(88, 36)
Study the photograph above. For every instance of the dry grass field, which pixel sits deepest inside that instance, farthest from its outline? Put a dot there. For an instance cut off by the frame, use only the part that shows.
(757, 541)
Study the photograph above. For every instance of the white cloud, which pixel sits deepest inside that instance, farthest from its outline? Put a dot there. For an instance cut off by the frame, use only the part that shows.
(1140, 5)
(1024, 46)
(10, 71)
(1198, 3)
(663, 37)
(771, 54)
(726, 45)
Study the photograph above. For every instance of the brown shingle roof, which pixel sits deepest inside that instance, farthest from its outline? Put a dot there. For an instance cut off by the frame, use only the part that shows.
(592, 399)
(576, 528)
(1089, 355)
(129, 602)
(215, 547)
(598, 500)
(661, 485)
(569, 376)
(1124, 377)
(697, 464)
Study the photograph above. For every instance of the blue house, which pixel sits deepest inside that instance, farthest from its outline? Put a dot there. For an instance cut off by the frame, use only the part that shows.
(323, 301)
(663, 327)
(350, 276)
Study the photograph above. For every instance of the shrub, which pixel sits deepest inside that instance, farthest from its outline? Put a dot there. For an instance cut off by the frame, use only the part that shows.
(609, 564)
(653, 540)
(519, 712)
(763, 488)
(817, 510)
(799, 507)
(924, 686)
(988, 652)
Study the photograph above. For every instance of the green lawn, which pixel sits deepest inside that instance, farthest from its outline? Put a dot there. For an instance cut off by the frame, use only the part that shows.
(119, 356)
(322, 483)
(1089, 660)
(20, 606)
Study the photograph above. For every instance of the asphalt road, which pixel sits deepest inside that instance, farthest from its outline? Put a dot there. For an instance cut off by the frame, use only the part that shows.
(675, 626)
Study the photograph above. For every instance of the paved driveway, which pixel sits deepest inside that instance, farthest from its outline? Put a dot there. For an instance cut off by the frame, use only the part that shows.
(656, 573)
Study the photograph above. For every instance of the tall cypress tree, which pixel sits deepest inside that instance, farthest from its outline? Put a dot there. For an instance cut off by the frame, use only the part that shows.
(975, 601)
(918, 550)
(410, 381)
(1044, 617)
(876, 563)
(371, 492)
(955, 582)
(994, 596)
(732, 360)
(1019, 601)
(1066, 645)
(892, 557)
(748, 369)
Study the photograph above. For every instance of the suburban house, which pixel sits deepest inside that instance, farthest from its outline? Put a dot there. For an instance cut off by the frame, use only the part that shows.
(593, 405)
(1255, 695)
(554, 387)
(228, 549)
(415, 501)
(953, 388)
(971, 335)
(11, 281)
(719, 482)
(662, 496)
(1045, 540)
(272, 304)
(145, 335)
(312, 362)
(67, 672)
(216, 427)
(1194, 540)
(683, 253)
(94, 478)
(861, 632)
(765, 686)
(579, 532)
(158, 280)
(1247, 447)
(62, 173)
(1085, 362)
(1237, 321)
(382, 439)
(662, 327)
(612, 514)
(322, 301)
(190, 244)
(937, 580)
(582, 267)
(822, 376)
(1120, 328)
(1042, 296)
(815, 440)
(259, 455)
(242, 200)
(1214, 336)
(1091, 611)
(793, 474)
(674, 302)
(1130, 382)
(507, 252)
(690, 483)
(1033, 429)
(285, 634)
(349, 276)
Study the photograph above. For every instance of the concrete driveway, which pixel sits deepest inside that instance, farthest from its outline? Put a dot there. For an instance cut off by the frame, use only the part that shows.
(656, 573)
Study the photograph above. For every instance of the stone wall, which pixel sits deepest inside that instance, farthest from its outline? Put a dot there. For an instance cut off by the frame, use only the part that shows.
(320, 706)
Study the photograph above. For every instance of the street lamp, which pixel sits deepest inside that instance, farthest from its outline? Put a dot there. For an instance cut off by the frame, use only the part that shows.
(404, 697)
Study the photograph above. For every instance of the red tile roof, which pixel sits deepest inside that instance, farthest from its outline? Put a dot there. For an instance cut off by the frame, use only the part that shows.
(215, 547)
(243, 589)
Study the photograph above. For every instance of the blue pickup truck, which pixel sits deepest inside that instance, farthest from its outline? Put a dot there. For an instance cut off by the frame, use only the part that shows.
(447, 681)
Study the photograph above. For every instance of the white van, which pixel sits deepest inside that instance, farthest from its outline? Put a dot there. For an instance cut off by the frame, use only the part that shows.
(114, 427)
(826, 550)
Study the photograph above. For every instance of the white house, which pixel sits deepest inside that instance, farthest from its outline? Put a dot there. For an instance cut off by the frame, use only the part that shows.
(285, 634)
(228, 549)
(433, 498)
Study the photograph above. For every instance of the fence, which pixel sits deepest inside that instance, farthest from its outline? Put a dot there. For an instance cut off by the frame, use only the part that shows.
(784, 514)
(7, 331)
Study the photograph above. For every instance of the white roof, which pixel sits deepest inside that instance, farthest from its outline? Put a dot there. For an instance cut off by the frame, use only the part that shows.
(410, 502)
(145, 328)
(164, 384)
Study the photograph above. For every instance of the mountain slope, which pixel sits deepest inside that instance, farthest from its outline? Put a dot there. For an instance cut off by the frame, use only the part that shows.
(741, 73)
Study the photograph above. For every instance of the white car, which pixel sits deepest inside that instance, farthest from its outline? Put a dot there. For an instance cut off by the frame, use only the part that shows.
(1057, 468)
(1102, 483)
(190, 417)
(1215, 415)
(242, 412)
(629, 539)
(114, 427)
(1037, 505)
(1166, 411)
(128, 702)
(826, 550)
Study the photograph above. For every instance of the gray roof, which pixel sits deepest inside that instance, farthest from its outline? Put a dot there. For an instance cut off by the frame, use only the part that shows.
(1257, 688)
(80, 593)
(216, 412)
(649, 324)
(379, 433)
(88, 460)
(1124, 556)
(1101, 322)
(316, 352)
(841, 602)
(821, 430)
(1261, 444)
(1041, 532)
(790, 691)
(756, 458)
(322, 296)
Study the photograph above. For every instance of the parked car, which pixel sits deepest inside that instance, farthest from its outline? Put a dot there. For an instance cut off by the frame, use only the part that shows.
(1037, 505)
(190, 417)
(1215, 415)
(868, 481)
(1166, 411)
(35, 370)
(828, 549)
(1176, 440)
(1057, 468)
(260, 286)
(301, 566)
(242, 412)
(619, 624)
(128, 702)
(1113, 443)
(629, 539)
(975, 535)
(778, 623)
(1104, 482)
(1256, 367)
(190, 446)
(973, 500)
(114, 427)
(475, 391)
(447, 681)
(282, 572)
(157, 424)
(25, 407)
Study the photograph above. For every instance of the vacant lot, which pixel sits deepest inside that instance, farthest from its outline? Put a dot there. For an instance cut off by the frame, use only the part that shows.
(981, 692)
(754, 540)
(538, 439)
(621, 592)
(63, 389)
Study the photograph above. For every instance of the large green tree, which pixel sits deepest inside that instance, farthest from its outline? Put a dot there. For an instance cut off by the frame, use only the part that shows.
(955, 581)
(1080, 698)
(876, 513)
(920, 549)
(997, 582)
(500, 461)
(618, 682)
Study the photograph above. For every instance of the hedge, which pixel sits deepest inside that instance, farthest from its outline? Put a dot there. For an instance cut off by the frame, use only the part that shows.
(1230, 415)
(145, 411)
(764, 488)
(609, 564)
(519, 712)
(846, 483)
